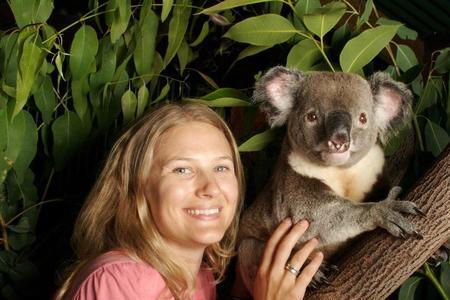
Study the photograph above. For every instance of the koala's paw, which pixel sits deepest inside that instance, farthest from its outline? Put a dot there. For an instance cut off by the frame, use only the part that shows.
(321, 275)
(441, 255)
(388, 215)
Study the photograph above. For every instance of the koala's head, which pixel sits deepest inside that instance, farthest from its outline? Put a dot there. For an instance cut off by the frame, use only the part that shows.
(333, 119)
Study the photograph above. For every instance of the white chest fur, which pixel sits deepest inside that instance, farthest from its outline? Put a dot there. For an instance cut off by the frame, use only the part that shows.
(352, 183)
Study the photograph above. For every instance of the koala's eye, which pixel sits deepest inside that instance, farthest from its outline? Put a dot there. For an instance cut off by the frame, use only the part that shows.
(311, 117)
(362, 118)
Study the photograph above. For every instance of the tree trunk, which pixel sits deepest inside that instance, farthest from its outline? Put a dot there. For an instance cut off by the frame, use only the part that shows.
(379, 263)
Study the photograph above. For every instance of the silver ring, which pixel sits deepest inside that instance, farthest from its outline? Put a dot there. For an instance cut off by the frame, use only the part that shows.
(292, 270)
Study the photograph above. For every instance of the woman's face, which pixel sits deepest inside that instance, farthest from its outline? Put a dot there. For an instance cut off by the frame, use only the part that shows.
(193, 187)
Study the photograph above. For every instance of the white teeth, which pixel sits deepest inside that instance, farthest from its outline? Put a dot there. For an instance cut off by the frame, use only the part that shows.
(205, 212)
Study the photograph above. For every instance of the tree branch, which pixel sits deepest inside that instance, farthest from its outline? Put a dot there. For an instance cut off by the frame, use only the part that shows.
(379, 263)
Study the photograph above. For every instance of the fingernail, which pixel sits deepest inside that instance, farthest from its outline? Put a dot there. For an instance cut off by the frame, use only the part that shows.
(303, 223)
(287, 221)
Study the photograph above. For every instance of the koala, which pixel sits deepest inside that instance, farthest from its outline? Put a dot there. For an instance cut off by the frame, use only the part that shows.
(330, 161)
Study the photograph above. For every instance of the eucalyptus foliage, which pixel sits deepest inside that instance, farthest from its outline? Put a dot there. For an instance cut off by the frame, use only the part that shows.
(61, 93)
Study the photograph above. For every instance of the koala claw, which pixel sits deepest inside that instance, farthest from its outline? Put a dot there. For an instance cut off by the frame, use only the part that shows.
(417, 235)
(419, 211)
(387, 215)
(321, 275)
(394, 192)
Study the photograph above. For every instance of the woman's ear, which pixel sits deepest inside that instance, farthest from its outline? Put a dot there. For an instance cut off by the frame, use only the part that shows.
(276, 92)
(392, 101)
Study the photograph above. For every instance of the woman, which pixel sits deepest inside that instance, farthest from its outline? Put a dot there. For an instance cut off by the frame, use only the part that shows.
(161, 220)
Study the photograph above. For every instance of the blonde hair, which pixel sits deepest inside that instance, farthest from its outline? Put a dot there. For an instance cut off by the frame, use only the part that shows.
(116, 213)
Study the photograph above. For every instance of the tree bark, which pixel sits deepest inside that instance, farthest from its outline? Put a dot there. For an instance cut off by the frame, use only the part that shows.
(379, 263)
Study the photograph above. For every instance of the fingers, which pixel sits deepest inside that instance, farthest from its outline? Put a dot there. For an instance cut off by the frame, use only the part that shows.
(271, 281)
(307, 274)
(287, 244)
(272, 244)
(299, 258)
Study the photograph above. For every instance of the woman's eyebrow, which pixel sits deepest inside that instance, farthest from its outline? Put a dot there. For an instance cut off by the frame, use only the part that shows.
(181, 158)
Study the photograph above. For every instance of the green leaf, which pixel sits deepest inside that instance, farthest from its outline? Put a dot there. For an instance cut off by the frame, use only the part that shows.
(164, 91)
(45, 99)
(82, 52)
(303, 55)
(363, 48)
(167, 7)
(8, 57)
(201, 37)
(18, 241)
(396, 141)
(145, 43)
(185, 55)
(120, 17)
(411, 74)
(59, 64)
(340, 36)
(304, 7)
(106, 61)
(42, 10)
(442, 64)
(9, 90)
(208, 79)
(21, 11)
(258, 141)
(157, 68)
(408, 288)
(68, 136)
(436, 138)
(220, 102)
(226, 93)
(228, 4)
(251, 50)
(19, 142)
(22, 272)
(248, 51)
(142, 100)
(406, 59)
(367, 11)
(50, 36)
(80, 89)
(129, 104)
(323, 19)
(274, 7)
(31, 11)
(445, 277)
(30, 62)
(430, 94)
(403, 32)
(264, 30)
(177, 28)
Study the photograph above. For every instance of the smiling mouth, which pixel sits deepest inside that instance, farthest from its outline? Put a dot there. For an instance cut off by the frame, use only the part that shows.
(203, 212)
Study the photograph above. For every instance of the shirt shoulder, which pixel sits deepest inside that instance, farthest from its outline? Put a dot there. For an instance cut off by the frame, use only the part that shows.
(206, 286)
(115, 276)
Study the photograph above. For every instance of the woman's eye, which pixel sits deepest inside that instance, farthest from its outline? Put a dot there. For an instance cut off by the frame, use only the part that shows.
(222, 168)
(182, 170)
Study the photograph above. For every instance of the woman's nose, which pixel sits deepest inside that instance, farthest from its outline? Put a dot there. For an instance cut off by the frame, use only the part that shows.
(207, 185)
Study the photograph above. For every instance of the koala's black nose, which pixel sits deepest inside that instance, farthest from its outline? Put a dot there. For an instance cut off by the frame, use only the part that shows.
(337, 125)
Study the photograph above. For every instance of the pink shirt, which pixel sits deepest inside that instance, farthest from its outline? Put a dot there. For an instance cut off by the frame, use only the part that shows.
(115, 276)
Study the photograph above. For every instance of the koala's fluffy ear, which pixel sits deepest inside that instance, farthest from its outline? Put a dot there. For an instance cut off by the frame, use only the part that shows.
(276, 92)
(392, 104)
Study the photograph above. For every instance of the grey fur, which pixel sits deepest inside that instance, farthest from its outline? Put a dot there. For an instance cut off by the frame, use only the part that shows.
(323, 115)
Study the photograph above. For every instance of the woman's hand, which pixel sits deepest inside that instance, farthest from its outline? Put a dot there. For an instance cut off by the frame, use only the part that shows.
(273, 281)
